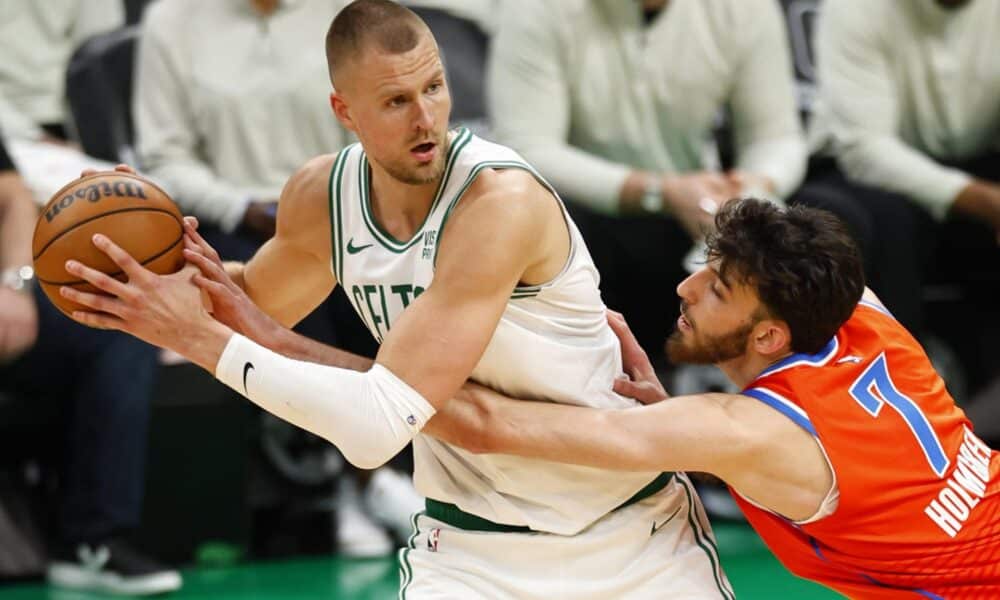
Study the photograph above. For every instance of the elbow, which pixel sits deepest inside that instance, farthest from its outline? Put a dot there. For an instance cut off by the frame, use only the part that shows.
(367, 460)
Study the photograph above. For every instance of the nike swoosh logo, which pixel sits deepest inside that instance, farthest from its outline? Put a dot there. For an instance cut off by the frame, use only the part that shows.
(657, 527)
(246, 369)
(352, 249)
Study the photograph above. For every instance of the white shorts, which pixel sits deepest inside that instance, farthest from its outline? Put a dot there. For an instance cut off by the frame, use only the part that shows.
(659, 547)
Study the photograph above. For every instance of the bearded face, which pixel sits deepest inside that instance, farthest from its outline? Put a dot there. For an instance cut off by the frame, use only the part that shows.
(690, 343)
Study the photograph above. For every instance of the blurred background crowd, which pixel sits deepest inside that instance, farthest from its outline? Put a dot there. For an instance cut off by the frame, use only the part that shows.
(885, 112)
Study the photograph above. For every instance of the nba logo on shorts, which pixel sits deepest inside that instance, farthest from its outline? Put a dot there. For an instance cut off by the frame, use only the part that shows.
(432, 539)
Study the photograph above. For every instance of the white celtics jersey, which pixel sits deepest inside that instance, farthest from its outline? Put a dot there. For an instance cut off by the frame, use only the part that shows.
(552, 343)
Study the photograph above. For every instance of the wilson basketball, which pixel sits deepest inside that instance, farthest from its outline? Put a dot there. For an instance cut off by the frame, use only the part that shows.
(131, 210)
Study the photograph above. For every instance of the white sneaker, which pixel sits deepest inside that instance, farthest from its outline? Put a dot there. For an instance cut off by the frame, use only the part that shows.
(392, 500)
(113, 567)
(357, 535)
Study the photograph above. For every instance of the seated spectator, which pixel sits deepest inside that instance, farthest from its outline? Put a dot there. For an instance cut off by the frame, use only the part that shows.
(906, 127)
(615, 103)
(36, 41)
(104, 386)
(230, 99)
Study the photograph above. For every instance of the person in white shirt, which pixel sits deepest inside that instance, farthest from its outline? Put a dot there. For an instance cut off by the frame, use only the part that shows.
(36, 42)
(908, 123)
(229, 99)
(615, 102)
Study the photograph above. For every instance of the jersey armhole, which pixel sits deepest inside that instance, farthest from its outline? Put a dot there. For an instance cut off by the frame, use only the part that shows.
(520, 291)
(877, 307)
(788, 408)
(336, 218)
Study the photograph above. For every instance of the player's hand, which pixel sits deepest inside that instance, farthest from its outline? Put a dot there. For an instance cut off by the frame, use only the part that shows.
(230, 304)
(121, 168)
(18, 324)
(164, 310)
(694, 198)
(980, 199)
(643, 384)
(195, 243)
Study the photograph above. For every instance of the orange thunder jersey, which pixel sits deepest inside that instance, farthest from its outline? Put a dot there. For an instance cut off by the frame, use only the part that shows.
(918, 513)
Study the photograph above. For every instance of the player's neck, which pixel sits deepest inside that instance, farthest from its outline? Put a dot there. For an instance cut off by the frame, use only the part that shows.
(743, 370)
(400, 208)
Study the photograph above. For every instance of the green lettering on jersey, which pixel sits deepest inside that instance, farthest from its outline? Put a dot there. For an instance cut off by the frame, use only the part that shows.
(403, 291)
(399, 295)
(376, 319)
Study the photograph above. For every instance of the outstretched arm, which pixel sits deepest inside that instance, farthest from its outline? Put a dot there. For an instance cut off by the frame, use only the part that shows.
(518, 230)
(746, 443)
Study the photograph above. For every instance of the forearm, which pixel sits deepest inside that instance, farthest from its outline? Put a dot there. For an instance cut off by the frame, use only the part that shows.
(291, 344)
(779, 162)
(486, 422)
(368, 416)
(17, 221)
(588, 179)
(885, 162)
(197, 189)
(299, 347)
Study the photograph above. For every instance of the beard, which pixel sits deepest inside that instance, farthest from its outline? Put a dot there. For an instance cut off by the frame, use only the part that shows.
(420, 174)
(711, 349)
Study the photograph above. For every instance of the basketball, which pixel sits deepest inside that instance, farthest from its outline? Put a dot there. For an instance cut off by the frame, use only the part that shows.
(130, 210)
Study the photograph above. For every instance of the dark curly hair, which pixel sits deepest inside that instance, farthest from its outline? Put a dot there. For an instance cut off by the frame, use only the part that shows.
(801, 261)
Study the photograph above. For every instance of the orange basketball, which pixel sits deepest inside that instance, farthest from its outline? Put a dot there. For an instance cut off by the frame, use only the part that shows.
(131, 210)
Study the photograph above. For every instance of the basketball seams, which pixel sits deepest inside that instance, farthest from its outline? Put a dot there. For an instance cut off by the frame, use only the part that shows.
(145, 262)
(105, 214)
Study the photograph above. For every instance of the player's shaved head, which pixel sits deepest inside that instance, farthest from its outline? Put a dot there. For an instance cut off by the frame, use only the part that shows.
(380, 24)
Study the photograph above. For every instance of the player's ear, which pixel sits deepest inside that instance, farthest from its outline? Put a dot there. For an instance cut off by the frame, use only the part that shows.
(341, 111)
(771, 337)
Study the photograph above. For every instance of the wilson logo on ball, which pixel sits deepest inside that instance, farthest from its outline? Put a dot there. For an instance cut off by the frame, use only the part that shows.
(94, 193)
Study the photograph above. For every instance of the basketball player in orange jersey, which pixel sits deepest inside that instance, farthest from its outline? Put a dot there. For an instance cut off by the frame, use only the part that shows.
(844, 449)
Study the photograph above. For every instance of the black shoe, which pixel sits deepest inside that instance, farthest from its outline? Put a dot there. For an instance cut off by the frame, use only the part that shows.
(112, 567)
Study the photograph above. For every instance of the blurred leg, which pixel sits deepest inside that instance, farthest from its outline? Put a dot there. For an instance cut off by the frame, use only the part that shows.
(104, 382)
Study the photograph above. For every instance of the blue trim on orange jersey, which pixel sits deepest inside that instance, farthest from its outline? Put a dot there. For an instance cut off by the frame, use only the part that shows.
(924, 593)
(784, 406)
(801, 358)
(815, 547)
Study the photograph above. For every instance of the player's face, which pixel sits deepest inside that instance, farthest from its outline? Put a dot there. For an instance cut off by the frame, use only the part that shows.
(717, 318)
(399, 106)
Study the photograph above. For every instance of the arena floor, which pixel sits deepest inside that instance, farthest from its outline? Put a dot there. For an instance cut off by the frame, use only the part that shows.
(754, 573)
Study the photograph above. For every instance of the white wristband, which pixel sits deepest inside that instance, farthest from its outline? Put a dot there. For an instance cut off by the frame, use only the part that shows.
(369, 416)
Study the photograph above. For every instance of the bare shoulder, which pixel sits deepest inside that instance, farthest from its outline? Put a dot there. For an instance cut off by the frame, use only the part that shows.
(508, 217)
(304, 197)
(304, 208)
(513, 195)
(770, 458)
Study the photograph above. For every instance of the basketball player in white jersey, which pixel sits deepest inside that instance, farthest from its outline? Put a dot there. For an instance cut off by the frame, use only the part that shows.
(463, 263)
